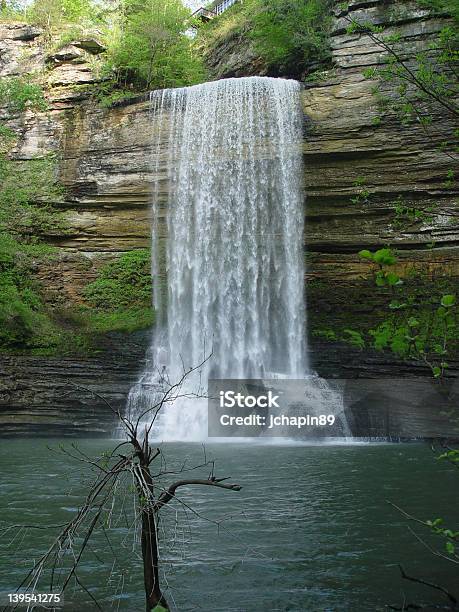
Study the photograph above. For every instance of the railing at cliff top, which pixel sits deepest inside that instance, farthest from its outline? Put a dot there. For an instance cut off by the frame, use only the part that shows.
(206, 14)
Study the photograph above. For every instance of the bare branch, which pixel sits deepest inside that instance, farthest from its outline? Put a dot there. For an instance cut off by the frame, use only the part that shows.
(432, 585)
(212, 482)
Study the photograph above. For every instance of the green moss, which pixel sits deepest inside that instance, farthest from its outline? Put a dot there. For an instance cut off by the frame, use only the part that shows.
(125, 320)
(119, 300)
(123, 283)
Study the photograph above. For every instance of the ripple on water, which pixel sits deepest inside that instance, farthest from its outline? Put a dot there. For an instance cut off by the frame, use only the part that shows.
(310, 529)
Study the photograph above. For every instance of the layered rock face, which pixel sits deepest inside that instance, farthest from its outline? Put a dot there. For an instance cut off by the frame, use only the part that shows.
(104, 162)
(63, 397)
(348, 142)
(105, 156)
(360, 164)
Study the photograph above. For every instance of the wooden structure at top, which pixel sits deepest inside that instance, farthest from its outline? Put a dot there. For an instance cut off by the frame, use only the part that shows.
(213, 10)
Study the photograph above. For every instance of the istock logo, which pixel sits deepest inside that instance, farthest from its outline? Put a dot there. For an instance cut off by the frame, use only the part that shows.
(229, 399)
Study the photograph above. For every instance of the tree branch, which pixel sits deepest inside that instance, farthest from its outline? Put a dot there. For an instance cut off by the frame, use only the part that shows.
(166, 496)
(432, 585)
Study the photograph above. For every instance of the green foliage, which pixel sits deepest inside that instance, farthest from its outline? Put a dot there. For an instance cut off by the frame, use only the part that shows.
(288, 34)
(354, 338)
(383, 257)
(108, 98)
(442, 7)
(416, 89)
(148, 47)
(422, 330)
(349, 336)
(123, 283)
(425, 336)
(68, 34)
(327, 334)
(406, 215)
(23, 320)
(20, 93)
(11, 9)
(120, 297)
(27, 189)
(7, 137)
(49, 13)
(451, 538)
(126, 321)
(363, 194)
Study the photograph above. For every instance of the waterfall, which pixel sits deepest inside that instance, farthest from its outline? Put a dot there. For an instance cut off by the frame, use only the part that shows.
(227, 239)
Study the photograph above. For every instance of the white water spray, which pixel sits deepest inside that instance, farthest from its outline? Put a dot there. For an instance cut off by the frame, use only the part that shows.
(233, 259)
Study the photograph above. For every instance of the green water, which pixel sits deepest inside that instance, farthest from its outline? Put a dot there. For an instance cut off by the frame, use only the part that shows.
(310, 530)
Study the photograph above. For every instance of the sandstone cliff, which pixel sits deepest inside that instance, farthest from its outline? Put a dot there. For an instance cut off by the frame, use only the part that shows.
(104, 164)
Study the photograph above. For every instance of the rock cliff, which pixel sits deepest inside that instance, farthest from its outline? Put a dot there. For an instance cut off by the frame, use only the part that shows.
(104, 164)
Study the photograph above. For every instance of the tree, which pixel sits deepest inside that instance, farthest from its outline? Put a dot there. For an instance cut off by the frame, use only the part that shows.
(49, 13)
(132, 458)
(419, 83)
(150, 48)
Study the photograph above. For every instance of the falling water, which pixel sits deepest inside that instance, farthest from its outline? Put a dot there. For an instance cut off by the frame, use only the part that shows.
(227, 239)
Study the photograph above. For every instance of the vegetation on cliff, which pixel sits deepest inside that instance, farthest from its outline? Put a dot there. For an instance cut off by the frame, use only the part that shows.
(120, 298)
(147, 47)
(27, 189)
(421, 320)
(287, 36)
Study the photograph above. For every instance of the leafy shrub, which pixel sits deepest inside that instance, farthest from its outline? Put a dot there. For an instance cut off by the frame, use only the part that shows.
(27, 189)
(123, 283)
(23, 319)
(287, 34)
(48, 13)
(19, 93)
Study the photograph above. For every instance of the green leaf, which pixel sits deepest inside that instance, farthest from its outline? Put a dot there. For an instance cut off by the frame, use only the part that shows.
(380, 279)
(354, 337)
(413, 322)
(450, 548)
(385, 257)
(366, 254)
(448, 300)
(441, 312)
(436, 371)
(392, 279)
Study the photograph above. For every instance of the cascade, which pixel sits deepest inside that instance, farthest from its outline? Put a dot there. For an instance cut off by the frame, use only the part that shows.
(227, 241)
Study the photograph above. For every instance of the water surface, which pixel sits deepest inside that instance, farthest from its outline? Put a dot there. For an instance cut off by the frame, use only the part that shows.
(310, 530)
